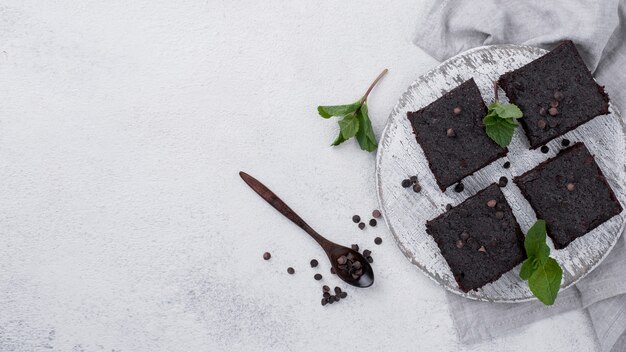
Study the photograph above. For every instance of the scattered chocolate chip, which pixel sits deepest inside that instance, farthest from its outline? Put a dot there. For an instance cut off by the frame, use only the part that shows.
(460, 244)
(361, 225)
(506, 165)
(553, 123)
(342, 260)
(356, 219)
(553, 111)
(464, 235)
(459, 187)
(417, 188)
(554, 104)
(448, 207)
(499, 215)
(565, 142)
(330, 300)
(290, 270)
(355, 247)
(337, 290)
(413, 179)
(337, 298)
(324, 301)
(542, 111)
(482, 249)
(373, 222)
(317, 277)
(570, 186)
(343, 294)
(503, 181)
(457, 110)
(378, 240)
(370, 259)
(450, 133)
(376, 214)
(367, 253)
(558, 95)
(325, 288)
(545, 149)
(406, 183)
(267, 255)
(541, 124)
(491, 203)
(314, 263)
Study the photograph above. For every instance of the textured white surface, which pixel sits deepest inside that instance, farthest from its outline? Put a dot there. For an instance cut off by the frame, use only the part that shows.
(407, 213)
(123, 224)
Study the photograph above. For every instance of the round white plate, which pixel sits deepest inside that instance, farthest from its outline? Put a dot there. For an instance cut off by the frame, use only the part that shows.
(406, 212)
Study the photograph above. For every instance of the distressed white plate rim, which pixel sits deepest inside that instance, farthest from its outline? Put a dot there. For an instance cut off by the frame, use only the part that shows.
(406, 212)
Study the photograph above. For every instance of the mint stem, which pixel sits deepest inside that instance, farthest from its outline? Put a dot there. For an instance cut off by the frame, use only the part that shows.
(364, 98)
(495, 90)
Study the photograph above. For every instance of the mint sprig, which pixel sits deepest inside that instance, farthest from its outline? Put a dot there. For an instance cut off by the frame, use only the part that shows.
(354, 120)
(500, 122)
(543, 273)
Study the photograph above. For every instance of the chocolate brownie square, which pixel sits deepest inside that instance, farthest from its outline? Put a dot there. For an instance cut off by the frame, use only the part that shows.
(480, 238)
(556, 93)
(570, 193)
(451, 133)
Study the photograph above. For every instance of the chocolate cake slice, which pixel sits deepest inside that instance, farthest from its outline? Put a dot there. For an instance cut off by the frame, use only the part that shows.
(451, 133)
(570, 193)
(556, 93)
(480, 238)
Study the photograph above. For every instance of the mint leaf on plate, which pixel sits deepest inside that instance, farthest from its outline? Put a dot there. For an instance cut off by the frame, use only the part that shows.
(500, 122)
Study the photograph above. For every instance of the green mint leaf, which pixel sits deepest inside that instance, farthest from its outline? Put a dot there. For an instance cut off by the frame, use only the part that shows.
(535, 241)
(527, 268)
(338, 140)
(508, 111)
(545, 281)
(500, 132)
(338, 110)
(365, 135)
(349, 125)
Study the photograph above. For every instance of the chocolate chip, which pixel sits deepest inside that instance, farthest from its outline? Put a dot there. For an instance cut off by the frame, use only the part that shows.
(342, 260)
(350, 256)
(324, 301)
(503, 181)
(337, 298)
(457, 110)
(499, 215)
(406, 183)
(448, 207)
(355, 247)
(460, 244)
(343, 294)
(553, 111)
(553, 123)
(267, 255)
(355, 276)
(558, 95)
(459, 187)
(370, 260)
(542, 111)
(373, 222)
(317, 277)
(356, 265)
(361, 225)
(331, 300)
(378, 240)
(337, 290)
(325, 288)
(332, 270)
(554, 104)
(464, 235)
(545, 149)
(290, 270)
(570, 186)
(367, 253)
(492, 203)
(565, 142)
(314, 263)
(413, 179)
(541, 124)
(450, 133)
(356, 219)
(482, 249)
(417, 188)
(506, 165)
(376, 214)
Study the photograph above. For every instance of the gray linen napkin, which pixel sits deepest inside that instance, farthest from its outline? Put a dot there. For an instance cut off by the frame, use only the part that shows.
(599, 30)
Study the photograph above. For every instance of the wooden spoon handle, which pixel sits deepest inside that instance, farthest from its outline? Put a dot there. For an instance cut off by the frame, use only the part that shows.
(282, 207)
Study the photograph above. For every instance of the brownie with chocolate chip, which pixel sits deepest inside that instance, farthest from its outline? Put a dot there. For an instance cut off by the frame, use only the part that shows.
(570, 193)
(479, 238)
(556, 93)
(452, 136)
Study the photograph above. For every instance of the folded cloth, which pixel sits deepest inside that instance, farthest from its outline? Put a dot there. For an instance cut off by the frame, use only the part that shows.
(599, 30)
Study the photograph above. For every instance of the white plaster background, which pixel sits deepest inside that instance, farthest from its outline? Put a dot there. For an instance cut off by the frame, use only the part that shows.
(123, 223)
